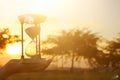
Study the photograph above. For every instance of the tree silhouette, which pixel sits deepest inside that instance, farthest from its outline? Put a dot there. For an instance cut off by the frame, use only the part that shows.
(75, 43)
(114, 51)
(111, 58)
(7, 38)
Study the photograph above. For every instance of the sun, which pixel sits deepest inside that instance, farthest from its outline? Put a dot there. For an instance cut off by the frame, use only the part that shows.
(14, 49)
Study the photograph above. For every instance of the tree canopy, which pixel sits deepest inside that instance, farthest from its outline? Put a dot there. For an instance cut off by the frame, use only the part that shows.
(7, 38)
(74, 42)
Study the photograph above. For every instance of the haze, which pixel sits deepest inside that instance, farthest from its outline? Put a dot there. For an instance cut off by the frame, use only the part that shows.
(102, 16)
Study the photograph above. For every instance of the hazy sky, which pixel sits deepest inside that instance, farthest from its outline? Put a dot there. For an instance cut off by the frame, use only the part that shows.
(102, 16)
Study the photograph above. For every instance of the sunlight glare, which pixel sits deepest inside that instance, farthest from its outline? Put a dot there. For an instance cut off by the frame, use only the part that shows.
(14, 49)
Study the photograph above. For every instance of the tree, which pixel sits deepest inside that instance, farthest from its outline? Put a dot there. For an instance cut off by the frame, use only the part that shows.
(74, 42)
(7, 38)
(114, 52)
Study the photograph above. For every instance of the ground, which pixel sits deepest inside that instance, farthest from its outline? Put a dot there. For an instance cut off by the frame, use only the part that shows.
(65, 75)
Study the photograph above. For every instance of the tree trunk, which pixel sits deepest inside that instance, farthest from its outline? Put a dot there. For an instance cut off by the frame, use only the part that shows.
(62, 62)
(72, 62)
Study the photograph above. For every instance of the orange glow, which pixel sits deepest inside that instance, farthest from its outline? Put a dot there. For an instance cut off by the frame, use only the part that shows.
(14, 49)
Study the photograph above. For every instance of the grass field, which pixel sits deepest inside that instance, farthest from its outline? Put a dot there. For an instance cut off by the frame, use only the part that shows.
(63, 75)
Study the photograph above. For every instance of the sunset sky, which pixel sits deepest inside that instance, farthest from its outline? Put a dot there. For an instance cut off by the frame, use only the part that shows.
(102, 16)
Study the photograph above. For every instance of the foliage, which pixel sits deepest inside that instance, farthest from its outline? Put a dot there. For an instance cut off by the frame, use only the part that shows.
(114, 51)
(74, 42)
(7, 38)
(111, 58)
(114, 46)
